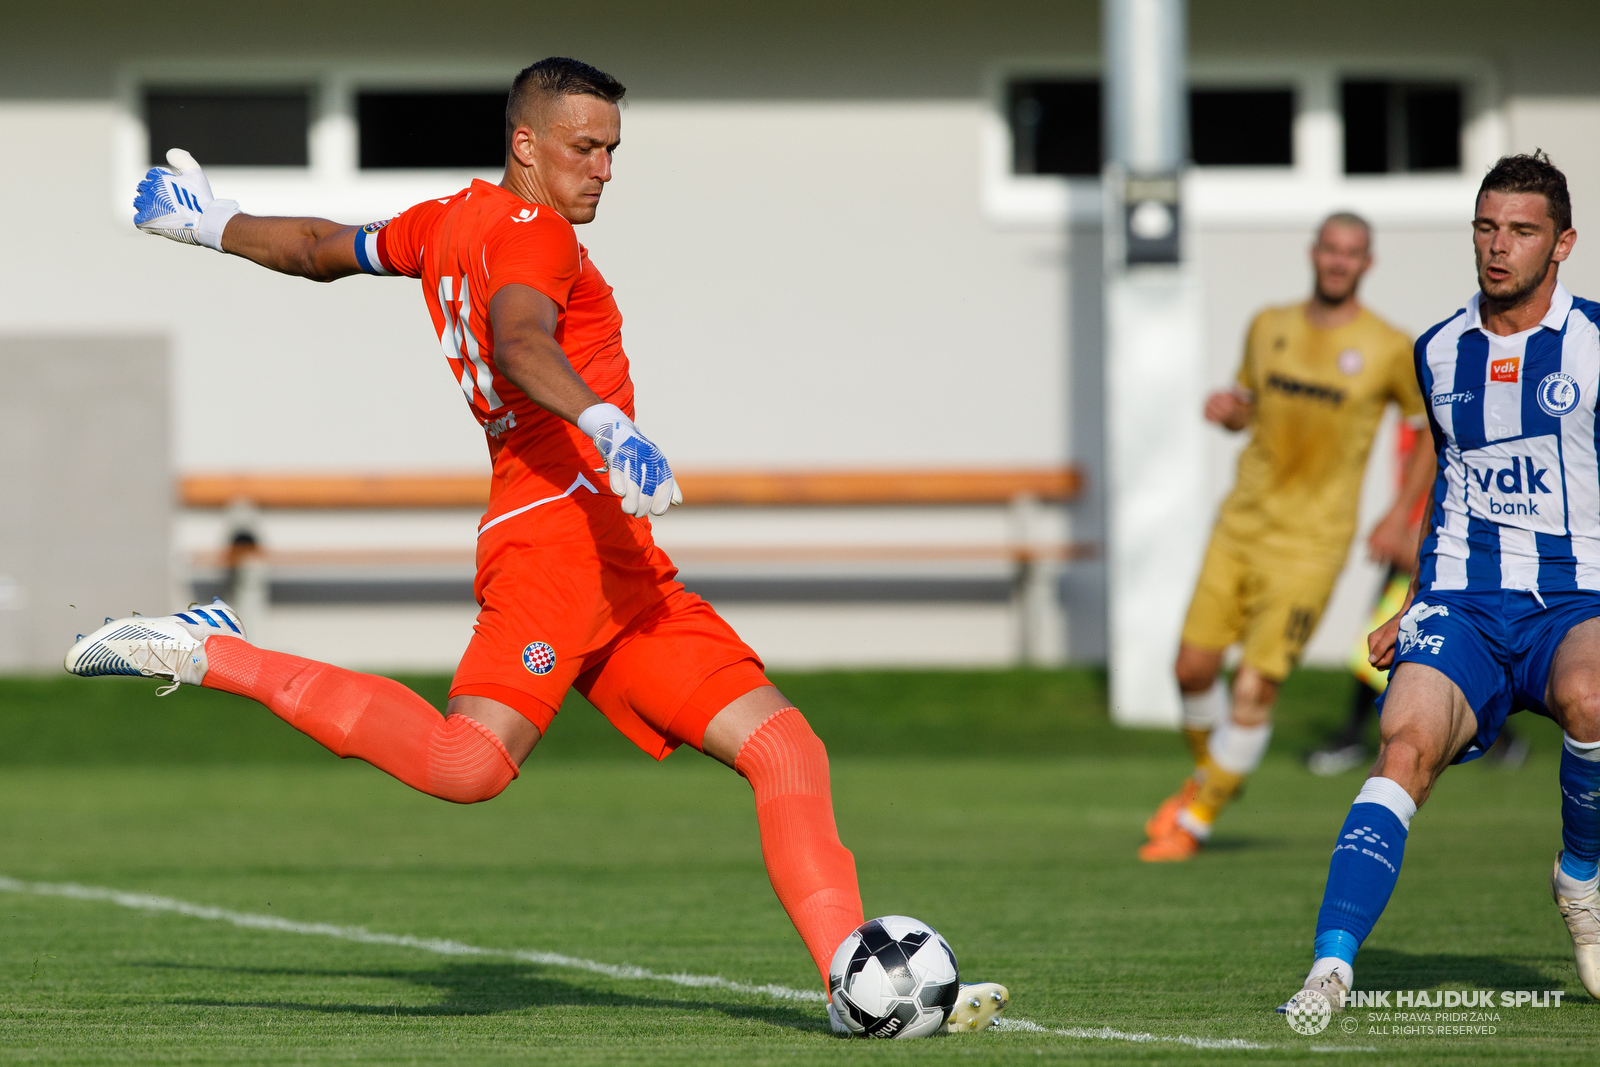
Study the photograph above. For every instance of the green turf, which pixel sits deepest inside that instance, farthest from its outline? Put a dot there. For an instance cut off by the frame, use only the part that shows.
(1002, 807)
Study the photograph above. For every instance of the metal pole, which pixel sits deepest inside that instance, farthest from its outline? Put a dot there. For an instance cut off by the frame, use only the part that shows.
(1154, 350)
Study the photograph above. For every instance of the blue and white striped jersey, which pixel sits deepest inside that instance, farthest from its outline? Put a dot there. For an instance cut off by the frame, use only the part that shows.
(1517, 501)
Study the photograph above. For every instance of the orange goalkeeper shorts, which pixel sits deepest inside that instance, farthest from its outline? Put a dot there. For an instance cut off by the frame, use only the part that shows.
(578, 595)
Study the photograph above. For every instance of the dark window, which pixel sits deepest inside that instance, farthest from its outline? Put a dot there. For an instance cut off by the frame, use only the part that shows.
(462, 130)
(1241, 127)
(1392, 126)
(230, 127)
(1055, 127)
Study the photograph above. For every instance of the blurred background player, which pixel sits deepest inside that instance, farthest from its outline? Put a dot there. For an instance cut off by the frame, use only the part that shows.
(573, 591)
(1313, 386)
(1504, 611)
(1348, 747)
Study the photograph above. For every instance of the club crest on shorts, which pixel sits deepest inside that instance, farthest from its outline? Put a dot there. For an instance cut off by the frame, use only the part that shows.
(1558, 394)
(539, 658)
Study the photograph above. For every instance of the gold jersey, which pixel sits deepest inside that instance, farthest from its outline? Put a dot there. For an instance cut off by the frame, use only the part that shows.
(1319, 395)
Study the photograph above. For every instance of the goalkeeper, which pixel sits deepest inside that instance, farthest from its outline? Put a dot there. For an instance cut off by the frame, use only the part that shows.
(573, 591)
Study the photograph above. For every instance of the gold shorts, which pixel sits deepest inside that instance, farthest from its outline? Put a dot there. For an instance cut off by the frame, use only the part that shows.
(1269, 603)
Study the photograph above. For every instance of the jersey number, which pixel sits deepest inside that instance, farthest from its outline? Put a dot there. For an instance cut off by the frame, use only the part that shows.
(461, 347)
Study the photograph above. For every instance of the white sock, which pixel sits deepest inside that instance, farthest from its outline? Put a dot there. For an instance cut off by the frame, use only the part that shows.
(1346, 973)
(1390, 794)
(1187, 820)
(1584, 750)
(1572, 889)
(1202, 711)
(1238, 749)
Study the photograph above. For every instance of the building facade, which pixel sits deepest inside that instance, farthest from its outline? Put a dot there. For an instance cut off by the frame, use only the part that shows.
(856, 236)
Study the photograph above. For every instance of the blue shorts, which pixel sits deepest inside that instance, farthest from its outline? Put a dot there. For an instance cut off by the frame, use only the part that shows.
(1496, 645)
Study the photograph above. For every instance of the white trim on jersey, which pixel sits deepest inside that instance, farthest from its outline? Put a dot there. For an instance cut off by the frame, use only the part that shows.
(580, 482)
(1451, 569)
(1580, 358)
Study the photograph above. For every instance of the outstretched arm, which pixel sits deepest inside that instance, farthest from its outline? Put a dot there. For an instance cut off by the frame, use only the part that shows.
(176, 202)
(307, 248)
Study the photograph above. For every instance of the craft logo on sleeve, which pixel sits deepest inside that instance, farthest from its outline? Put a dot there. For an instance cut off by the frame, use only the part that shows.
(1505, 370)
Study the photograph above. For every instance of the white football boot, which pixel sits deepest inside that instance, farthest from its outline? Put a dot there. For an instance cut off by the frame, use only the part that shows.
(168, 646)
(1583, 923)
(1329, 984)
(978, 1007)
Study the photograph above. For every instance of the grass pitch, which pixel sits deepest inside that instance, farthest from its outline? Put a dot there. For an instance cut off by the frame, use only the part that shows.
(1000, 807)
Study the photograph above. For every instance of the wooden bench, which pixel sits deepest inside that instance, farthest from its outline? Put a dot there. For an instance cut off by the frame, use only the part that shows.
(1021, 490)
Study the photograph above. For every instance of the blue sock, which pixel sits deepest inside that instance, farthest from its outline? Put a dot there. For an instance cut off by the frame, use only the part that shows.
(1364, 868)
(1580, 816)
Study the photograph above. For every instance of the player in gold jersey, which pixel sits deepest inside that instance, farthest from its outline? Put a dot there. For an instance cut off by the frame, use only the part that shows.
(1314, 383)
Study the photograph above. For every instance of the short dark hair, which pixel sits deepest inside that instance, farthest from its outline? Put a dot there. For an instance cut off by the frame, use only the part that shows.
(540, 83)
(1534, 173)
(1347, 218)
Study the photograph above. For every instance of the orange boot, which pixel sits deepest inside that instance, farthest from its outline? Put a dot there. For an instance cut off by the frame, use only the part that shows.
(1165, 820)
(1175, 846)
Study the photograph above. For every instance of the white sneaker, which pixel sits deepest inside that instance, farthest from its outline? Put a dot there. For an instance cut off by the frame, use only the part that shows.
(978, 1007)
(1583, 923)
(169, 646)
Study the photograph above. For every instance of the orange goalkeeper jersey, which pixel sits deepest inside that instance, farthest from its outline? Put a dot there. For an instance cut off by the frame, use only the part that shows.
(464, 248)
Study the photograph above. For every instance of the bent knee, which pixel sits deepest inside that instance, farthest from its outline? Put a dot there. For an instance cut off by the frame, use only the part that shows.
(1577, 699)
(467, 763)
(784, 754)
(1196, 669)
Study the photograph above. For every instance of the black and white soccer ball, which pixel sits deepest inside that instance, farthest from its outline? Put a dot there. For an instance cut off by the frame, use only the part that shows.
(893, 977)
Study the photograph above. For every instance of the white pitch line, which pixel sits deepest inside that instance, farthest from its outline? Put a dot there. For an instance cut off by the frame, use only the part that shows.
(442, 946)
(446, 947)
(1106, 1033)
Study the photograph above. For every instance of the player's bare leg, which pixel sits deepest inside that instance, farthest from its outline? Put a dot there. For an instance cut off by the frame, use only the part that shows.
(1573, 697)
(1205, 704)
(1232, 750)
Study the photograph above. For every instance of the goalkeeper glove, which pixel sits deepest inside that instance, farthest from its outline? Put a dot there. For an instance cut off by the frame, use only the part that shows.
(176, 203)
(639, 472)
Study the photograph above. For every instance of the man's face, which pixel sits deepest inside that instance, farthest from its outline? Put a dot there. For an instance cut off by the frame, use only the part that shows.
(1340, 257)
(1516, 245)
(571, 156)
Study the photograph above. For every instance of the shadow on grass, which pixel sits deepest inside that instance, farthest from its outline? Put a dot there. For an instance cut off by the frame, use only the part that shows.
(487, 989)
(1390, 969)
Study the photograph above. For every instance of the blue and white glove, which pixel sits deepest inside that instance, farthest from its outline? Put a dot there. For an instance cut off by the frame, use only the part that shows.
(639, 472)
(176, 203)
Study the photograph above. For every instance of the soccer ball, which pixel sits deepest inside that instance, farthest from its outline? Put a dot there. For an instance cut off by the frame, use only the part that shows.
(893, 977)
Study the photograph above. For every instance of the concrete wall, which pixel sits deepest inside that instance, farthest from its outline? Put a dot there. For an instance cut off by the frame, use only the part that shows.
(803, 230)
(85, 529)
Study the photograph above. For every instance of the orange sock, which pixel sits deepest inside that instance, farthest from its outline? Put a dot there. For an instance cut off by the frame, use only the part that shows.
(813, 874)
(368, 718)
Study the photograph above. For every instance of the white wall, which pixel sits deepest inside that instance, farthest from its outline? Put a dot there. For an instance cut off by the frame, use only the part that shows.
(797, 232)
